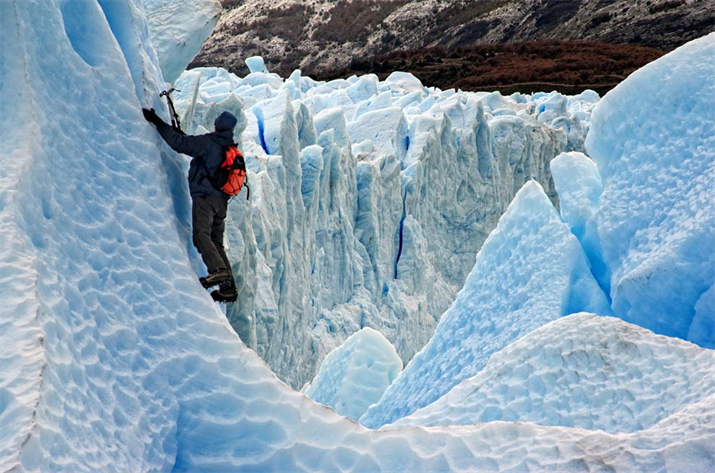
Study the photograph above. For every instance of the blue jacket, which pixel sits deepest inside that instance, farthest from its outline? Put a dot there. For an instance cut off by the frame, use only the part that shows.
(207, 152)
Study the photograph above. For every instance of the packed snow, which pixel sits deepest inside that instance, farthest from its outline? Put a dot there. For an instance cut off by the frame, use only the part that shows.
(354, 375)
(114, 358)
(370, 199)
(653, 139)
(584, 371)
(530, 271)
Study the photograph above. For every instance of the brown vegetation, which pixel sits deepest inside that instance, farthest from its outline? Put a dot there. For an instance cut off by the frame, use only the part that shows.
(567, 66)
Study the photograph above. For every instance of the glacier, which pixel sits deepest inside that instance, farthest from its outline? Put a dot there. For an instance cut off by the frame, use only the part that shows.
(356, 374)
(585, 371)
(530, 271)
(370, 199)
(676, 231)
(114, 358)
(653, 139)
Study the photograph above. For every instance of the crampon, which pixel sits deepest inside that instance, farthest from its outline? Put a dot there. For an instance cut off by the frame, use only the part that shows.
(226, 293)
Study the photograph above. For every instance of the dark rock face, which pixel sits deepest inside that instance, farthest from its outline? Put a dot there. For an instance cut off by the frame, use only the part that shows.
(329, 34)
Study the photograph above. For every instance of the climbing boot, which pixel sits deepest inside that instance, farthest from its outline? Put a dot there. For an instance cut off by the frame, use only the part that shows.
(216, 278)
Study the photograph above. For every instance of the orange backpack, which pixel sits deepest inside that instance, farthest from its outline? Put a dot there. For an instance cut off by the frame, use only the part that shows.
(231, 176)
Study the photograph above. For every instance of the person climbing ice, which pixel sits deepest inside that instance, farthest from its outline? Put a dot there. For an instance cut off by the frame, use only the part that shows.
(213, 179)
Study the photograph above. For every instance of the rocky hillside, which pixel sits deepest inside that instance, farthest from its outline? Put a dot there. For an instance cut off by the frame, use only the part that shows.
(322, 35)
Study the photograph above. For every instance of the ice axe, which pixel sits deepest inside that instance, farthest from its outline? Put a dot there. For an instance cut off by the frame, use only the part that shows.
(175, 123)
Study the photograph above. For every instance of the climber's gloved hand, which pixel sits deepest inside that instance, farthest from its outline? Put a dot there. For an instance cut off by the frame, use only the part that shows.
(151, 116)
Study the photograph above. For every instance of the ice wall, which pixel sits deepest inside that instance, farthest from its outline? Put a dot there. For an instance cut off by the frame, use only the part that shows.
(82, 255)
(579, 186)
(22, 355)
(653, 138)
(370, 200)
(530, 271)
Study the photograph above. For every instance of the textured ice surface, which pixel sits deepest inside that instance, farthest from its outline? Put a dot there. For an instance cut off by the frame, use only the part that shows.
(88, 281)
(119, 360)
(21, 350)
(530, 271)
(354, 375)
(583, 371)
(653, 138)
(370, 200)
(178, 28)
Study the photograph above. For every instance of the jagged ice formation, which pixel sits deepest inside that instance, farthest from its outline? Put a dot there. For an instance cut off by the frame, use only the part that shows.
(114, 358)
(584, 371)
(653, 140)
(668, 205)
(370, 199)
(530, 271)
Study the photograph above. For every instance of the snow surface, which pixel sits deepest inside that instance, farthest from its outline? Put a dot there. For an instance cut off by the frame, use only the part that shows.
(583, 371)
(369, 199)
(530, 271)
(653, 138)
(354, 375)
(178, 29)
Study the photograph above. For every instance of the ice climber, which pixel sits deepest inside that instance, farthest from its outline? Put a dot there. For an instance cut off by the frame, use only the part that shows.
(209, 204)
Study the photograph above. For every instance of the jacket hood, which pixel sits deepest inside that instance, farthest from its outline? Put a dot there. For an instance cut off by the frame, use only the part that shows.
(225, 121)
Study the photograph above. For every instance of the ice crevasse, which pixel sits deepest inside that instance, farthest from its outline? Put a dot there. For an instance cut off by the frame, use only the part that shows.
(370, 199)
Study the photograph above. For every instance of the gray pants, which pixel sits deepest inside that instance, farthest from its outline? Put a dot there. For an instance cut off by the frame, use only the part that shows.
(208, 215)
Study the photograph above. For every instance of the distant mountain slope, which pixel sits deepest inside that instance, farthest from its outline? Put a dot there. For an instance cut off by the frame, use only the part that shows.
(322, 35)
(567, 66)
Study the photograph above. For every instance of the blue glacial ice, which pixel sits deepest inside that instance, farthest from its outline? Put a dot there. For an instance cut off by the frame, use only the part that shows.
(530, 271)
(114, 358)
(356, 374)
(579, 186)
(653, 139)
(584, 371)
